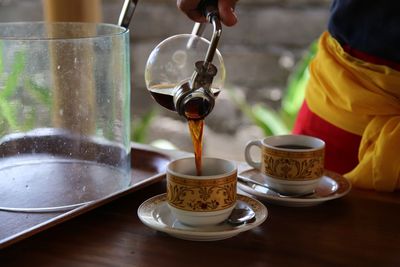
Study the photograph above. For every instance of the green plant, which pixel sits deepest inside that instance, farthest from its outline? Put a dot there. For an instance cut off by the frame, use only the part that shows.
(14, 82)
(141, 126)
(281, 121)
(8, 111)
(295, 90)
(262, 116)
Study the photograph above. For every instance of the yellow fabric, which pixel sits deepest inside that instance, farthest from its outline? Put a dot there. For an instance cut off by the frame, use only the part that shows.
(364, 99)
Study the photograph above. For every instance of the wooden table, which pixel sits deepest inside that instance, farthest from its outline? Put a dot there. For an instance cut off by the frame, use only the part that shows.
(360, 229)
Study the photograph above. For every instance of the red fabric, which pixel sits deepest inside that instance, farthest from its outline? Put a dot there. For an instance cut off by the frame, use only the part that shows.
(371, 59)
(341, 151)
(341, 147)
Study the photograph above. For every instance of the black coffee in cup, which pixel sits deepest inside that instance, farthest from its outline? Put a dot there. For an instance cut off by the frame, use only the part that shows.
(293, 146)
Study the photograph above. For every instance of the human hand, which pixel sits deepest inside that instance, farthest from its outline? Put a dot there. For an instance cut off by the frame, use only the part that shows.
(225, 9)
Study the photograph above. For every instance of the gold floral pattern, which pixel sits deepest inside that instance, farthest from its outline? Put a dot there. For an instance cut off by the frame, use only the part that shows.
(293, 166)
(201, 195)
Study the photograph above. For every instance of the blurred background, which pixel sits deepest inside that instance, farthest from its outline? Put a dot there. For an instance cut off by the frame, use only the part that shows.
(266, 57)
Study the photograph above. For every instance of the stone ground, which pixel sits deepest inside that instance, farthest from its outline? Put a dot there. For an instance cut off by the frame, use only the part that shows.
(259, 54)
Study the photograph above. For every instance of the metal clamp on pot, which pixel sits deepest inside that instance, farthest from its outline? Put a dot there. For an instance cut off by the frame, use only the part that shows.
(193, 98)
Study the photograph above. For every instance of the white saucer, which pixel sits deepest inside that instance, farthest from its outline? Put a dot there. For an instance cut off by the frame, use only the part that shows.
(155, 213)
(331, 186)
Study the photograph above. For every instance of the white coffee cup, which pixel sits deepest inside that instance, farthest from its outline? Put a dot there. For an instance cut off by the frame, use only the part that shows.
(291, 164)
(201, 200)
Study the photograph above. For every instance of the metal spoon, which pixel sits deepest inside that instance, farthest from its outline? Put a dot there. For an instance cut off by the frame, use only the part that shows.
(253, 183)
(241, 214)
(127, 12)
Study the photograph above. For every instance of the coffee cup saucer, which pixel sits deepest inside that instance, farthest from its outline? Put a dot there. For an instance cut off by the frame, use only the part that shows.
(331, 186)
(155, 213)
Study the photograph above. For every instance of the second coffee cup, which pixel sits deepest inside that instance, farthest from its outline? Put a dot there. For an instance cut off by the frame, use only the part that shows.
(290, 164)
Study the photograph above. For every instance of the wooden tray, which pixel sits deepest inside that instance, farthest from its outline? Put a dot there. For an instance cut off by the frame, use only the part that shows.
(148, 167)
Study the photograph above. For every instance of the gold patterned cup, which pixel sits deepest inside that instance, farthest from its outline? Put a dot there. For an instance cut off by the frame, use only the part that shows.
(201, 200)
(291, 164)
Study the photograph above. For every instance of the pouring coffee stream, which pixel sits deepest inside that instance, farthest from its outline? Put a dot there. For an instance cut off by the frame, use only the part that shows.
(192, 96)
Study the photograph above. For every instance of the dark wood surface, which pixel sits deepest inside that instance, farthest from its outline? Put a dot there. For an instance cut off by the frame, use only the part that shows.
(360, 229)
(147, 168)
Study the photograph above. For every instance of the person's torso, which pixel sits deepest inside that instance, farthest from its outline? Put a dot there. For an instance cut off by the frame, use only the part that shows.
(369, 26)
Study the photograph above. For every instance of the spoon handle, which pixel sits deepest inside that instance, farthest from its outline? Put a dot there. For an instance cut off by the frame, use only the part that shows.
(251, 181)
(127, 12)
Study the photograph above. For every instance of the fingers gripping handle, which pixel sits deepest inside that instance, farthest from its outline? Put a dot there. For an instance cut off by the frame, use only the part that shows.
(209, 8)
(247, 155)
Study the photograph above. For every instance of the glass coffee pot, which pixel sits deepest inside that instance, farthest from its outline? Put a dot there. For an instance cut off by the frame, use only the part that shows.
(185, 72)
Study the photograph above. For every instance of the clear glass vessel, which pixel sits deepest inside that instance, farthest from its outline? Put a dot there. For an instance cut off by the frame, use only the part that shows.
(64, 114)
(173, 62)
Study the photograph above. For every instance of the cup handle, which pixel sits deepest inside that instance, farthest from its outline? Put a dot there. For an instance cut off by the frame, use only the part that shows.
(247, 156)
